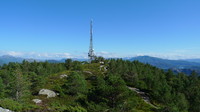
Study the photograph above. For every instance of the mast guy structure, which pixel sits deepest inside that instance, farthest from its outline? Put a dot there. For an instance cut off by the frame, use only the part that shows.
(91, 54)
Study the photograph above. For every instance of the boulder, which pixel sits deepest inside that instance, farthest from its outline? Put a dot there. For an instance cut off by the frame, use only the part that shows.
(37, 101)
(47, 92)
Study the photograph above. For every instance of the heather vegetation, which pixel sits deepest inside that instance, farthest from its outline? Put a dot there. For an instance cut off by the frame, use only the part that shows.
(100, 86)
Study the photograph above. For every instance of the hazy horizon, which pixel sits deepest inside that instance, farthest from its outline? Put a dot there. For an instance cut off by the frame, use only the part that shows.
(61, 57)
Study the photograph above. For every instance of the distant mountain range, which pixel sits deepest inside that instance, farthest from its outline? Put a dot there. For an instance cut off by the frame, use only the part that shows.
(165, 63)
(193, 60)
(63, 60)
(5, 59)
(185, 66)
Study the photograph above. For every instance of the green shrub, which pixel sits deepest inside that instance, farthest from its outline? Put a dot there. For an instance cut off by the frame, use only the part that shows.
(75, 109)
(10, 104)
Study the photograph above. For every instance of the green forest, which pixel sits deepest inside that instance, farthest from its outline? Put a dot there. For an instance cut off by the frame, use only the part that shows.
(104, 85)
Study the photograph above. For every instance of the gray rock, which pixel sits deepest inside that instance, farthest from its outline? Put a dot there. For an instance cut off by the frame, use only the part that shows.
(4, 110)
(63, 76)
(102, 67)
(88, 72)
(47, 92)
(101, 62)
(37, 101)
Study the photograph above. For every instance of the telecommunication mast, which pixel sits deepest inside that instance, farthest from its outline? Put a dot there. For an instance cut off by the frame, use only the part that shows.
(91, 54)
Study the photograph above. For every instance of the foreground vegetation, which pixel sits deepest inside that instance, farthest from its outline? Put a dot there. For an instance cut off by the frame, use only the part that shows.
(101, 86)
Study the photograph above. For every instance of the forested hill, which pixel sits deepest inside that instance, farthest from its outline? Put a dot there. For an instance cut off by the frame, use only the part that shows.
(103, 85)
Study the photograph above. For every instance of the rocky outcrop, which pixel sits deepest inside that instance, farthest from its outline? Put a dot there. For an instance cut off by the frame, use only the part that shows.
(4, 110)
(47, 92)
(143, 95)
(37, 101)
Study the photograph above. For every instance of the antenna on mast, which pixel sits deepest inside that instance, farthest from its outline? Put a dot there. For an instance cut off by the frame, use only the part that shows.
(91, 54)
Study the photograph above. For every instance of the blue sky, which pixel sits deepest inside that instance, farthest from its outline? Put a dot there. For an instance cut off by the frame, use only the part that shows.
(122, 28)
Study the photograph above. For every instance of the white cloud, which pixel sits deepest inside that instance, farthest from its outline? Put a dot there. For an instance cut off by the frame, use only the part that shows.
(13, 53)
(107, 54)
(37, 55)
